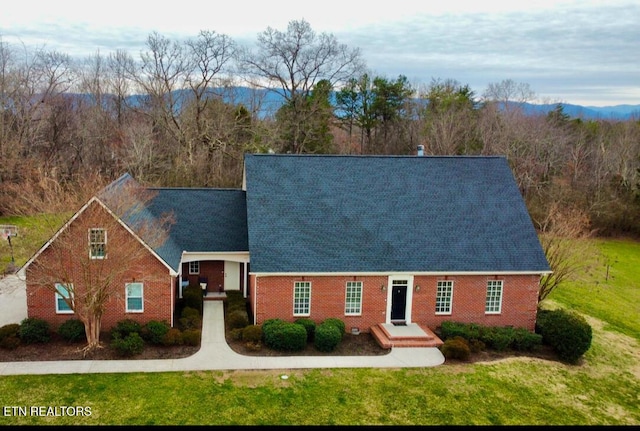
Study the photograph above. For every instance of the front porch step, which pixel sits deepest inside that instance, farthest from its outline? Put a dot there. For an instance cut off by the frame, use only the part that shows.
(215, 296)
(411, 335)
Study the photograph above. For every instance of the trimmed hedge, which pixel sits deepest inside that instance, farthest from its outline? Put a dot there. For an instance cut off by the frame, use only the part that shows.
(567, 332)
(498, 338)
(309, 326)
(327, 337)
(72, 330)
(33, 330)
(284, 336)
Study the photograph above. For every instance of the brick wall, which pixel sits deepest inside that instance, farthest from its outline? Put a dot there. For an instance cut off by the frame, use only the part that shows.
(127, 261)
(272, 297)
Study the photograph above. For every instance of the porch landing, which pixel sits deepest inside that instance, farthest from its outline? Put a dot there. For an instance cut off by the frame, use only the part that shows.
(214, 296)
(411, 335)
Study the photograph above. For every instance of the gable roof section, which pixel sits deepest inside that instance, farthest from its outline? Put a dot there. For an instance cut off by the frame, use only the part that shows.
(324, 214)
(206, 219)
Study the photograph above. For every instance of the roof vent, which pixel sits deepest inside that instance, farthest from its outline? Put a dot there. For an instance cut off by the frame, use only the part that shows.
(421, 150)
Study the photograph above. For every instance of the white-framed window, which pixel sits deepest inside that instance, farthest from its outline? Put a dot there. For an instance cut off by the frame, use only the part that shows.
(97, 243)
(493, 303)
(444, 296)
(62, 292)
(134, 293)
(194, 267)
(353, 298)
(302, 298)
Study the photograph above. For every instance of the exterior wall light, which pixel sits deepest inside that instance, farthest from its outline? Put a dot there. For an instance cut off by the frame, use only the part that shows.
(383, 288)
(417, 288)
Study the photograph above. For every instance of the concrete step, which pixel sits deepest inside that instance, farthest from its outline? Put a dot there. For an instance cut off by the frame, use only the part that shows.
(415, 335)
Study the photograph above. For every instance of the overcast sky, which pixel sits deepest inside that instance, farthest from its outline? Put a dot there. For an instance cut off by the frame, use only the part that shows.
(580, 52)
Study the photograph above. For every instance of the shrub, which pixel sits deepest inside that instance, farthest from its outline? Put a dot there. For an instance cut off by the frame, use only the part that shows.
(568, 333)
(10, 330)
(337, 323)
(72, 330)
(327, 337)
(130, 345)
(34, 330)
(191, 337)
(526, 341)
(236, 334)
(192, 297)
(309, 326)
(285, 336)
(237, 319)
(190, 318)
(252, 333)
(498, 338)
(456, 348)
(154, 331)
(125, 327)
(173, 337)
(10, 336)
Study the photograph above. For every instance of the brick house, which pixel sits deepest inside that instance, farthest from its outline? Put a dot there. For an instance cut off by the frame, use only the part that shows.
(373, 240)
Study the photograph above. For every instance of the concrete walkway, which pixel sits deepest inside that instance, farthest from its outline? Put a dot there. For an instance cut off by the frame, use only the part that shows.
(215, 354)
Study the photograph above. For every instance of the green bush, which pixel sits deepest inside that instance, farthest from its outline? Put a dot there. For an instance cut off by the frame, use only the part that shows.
(72, 330)
(192, 297)
(327, 337)
(173, 337)
(567, 332)
(456, 348)
(526, 341)
(125, 327)
(10, 336)
(154, 331)
(309, 326)
(34, 330)
(498, 338)
(252, 333)
(190, 318)
(337, 323)
(130, 345)
(9, 330)
(237, 319)
(284, 336)
(191, 337)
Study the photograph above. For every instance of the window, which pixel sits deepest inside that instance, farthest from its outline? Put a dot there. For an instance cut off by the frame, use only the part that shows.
(353, 300)
(62, 292)
(194, 267)
(493, 304)
(302, 298)
(444, 295)
(97, 243)
(134, 293)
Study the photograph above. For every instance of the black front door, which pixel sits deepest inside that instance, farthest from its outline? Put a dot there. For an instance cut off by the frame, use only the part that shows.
(399, 300)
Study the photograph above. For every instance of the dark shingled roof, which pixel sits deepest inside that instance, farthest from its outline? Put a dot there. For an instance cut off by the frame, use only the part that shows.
(206, 219)
(312, 213)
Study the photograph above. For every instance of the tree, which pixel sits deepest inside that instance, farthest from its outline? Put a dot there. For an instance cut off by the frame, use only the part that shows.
(292, 63)
(563, 234)
(92, 256)
(450, 118)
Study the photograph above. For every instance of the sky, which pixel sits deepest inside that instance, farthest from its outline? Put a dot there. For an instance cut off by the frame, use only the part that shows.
(570, 51)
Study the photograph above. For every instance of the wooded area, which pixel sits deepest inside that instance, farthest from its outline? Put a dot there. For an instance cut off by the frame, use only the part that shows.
(69, 127)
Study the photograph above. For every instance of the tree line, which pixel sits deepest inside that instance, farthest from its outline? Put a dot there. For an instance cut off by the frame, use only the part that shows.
(70, 126)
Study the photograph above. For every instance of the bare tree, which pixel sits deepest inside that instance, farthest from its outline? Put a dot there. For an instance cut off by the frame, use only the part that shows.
(291, 63)
(88, 260)
(562, 236)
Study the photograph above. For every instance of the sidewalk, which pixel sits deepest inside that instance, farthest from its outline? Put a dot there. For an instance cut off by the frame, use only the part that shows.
(215, 354)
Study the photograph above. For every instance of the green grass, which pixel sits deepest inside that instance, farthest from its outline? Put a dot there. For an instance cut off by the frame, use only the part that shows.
(601, 390)
(609, 289)
(33, 233)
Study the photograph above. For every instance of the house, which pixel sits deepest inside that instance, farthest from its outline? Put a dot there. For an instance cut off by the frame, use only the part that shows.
(377, 241)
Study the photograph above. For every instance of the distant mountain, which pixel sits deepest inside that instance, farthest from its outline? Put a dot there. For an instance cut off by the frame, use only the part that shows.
(266, 103)
(618, 112)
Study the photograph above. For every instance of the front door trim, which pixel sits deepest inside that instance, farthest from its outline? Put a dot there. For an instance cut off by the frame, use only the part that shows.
(409, 295)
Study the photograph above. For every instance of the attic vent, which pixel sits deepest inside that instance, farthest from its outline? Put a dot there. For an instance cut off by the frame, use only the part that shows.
(420, 150)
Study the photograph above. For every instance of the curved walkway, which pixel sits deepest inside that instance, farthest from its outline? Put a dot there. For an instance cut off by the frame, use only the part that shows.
(215, 354)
